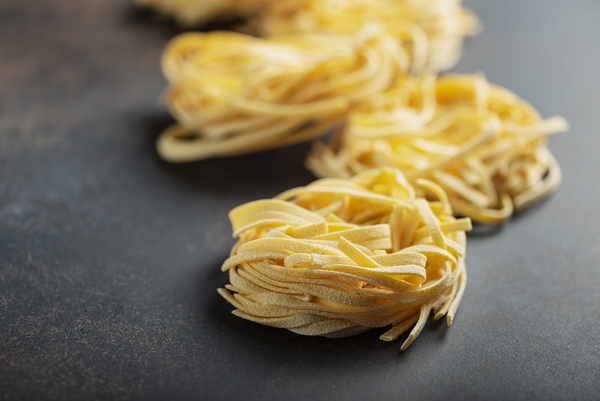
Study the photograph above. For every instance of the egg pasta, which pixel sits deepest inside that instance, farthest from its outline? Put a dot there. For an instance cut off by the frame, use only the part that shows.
(338, 257)
(481, 143)
(440, 25)
(234, 94)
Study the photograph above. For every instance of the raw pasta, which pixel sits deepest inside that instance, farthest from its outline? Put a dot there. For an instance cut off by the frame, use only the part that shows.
(339, 257)
(439, 25)
(234, 94)
(482, 144)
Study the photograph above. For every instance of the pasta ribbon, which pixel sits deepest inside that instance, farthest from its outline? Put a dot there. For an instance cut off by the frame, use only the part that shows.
(479, 143)
(339, 275)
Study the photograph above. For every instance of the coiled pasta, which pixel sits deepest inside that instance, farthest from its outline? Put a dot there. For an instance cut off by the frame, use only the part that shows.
(339, 257)
(481, 143)
(439, 25)
(234, 94)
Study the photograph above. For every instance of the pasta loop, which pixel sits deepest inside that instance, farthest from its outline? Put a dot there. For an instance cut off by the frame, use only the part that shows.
(479, 143)
(431, 32)
(234, 94)
(341, 275)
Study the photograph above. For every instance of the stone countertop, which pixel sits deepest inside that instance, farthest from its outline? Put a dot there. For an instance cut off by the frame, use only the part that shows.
(109, 257)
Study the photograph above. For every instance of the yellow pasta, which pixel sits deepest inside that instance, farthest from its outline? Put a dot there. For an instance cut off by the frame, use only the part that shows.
(339, 257)
(482, 144)
(440, 26)
(234, 94)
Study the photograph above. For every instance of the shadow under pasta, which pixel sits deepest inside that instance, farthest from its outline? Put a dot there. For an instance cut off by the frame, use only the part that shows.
(257, 175)
(485, 230)
(519, 214)
(148, 18)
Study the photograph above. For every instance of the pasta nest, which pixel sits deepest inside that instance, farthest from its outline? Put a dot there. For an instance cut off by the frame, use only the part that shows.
(481, 143)
(440, 25)
(338, 257)
(234, 94)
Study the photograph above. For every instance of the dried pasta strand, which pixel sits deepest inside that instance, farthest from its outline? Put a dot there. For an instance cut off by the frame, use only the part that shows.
(481, 144)
(418, 327)
(399, 329)
(313, 275)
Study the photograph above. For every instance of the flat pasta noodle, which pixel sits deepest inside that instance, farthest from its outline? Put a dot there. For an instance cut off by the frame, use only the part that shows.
(321, 275)
(479, 143)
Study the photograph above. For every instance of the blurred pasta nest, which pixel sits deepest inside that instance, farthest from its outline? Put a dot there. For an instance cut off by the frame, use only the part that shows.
(440, 24)
(338, 257)
(481, 143)
(233, 94)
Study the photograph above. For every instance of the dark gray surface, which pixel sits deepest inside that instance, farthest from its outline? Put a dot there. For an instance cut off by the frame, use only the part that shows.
(109, 258)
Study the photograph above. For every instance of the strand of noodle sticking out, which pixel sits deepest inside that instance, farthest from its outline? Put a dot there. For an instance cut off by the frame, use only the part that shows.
(234, 94)
(481, 143)
(339, 257)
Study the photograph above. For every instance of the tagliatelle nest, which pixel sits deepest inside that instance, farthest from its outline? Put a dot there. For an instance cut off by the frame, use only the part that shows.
(481, 143)
(440, 25)
(234, 94)
(339, 257)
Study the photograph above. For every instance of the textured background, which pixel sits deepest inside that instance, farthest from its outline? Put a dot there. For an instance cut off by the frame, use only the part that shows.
(109, 258)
